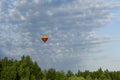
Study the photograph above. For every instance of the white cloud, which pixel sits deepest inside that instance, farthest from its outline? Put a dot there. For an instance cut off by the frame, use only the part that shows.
(69, 24)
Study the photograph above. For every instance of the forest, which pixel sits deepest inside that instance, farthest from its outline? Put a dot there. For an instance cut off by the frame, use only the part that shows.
(27, 69)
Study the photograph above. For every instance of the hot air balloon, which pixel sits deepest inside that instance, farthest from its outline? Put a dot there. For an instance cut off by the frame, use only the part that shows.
(44, 38)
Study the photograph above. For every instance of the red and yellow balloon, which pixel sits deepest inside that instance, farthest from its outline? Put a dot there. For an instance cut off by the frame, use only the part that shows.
(44, 38)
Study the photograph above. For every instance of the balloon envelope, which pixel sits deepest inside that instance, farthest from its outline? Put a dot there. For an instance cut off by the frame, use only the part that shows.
(44, 38)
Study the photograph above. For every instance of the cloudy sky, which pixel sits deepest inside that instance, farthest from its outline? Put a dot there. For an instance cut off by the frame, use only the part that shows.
(82, 34)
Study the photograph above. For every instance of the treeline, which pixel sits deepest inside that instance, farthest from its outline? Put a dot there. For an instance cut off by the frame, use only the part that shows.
(26, 69)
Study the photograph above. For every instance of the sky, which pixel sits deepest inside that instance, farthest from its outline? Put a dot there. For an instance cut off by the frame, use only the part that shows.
(82, 34)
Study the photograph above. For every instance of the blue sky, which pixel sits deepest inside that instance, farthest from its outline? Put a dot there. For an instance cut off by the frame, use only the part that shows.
(111, 49)
(82, 34)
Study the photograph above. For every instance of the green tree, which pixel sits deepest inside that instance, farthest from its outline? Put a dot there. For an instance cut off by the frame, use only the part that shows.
(79, 73)
(70, 73)
(88, 77)
(76, 78)
(60, 75)
(51, 74)
(36, 70)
